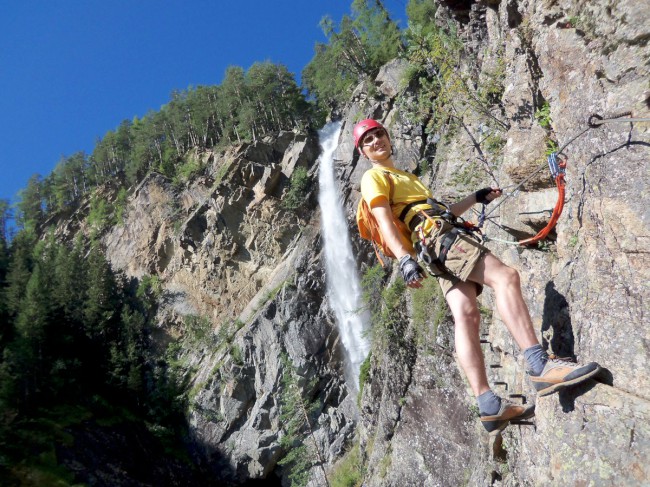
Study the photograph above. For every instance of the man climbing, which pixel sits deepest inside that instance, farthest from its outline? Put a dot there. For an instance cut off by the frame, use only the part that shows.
(454, 255)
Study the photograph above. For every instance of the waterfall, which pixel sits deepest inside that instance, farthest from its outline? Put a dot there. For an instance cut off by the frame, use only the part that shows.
(343, 288)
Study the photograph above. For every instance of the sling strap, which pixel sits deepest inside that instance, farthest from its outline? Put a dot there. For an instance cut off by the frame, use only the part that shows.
(446, 243)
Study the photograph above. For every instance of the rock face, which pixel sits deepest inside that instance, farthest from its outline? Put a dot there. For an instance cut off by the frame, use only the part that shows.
(227, 253)
(587, 291)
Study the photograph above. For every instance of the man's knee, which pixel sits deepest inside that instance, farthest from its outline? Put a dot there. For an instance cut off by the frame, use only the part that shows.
(467, 316)
(509, 276)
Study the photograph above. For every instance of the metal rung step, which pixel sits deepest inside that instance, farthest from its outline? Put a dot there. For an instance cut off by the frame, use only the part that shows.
(523, 422)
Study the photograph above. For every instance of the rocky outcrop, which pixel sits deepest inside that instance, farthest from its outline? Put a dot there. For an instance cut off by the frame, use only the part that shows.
(216, 242)
(228, 254)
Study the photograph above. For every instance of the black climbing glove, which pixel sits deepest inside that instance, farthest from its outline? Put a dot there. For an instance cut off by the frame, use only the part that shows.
(410, 269)
(481, 195)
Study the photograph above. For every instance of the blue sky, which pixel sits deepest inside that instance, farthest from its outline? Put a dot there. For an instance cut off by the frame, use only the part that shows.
(72, 70)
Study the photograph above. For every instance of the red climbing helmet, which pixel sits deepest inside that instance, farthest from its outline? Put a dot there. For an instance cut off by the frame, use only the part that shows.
(362, 127)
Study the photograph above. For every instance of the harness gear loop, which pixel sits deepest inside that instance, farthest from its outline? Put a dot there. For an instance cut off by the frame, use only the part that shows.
(425, 246)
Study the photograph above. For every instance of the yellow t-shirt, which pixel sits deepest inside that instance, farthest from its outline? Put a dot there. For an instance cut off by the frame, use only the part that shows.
(407, 189)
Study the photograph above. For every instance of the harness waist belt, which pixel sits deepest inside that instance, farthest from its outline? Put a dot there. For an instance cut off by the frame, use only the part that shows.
(407, 208)
(419, 217)
(436, 209)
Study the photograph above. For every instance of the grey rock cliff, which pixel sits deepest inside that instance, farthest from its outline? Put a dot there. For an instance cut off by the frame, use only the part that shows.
(587, 291)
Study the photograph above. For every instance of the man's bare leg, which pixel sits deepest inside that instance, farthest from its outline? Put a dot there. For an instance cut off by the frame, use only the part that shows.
(462, 302)
(506, 284)
(547, 376)
(495, 413)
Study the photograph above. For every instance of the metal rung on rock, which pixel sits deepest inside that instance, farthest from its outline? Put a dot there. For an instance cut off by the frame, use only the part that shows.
(523, 422)
(523, 397)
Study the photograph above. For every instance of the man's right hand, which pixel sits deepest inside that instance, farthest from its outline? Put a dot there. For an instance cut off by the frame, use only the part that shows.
(411, 271)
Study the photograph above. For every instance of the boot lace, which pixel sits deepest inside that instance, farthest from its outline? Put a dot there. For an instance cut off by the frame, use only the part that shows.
(561, 360)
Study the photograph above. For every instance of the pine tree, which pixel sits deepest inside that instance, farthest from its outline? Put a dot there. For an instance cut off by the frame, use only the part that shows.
(33, 351)
(19, 270)
(4, 263)
(70, 291)
(379, 35)
(297, 413)
(362, 44)
(30, 206)
(422, 13)
(127, 353)
(101, 312)
(231, 101)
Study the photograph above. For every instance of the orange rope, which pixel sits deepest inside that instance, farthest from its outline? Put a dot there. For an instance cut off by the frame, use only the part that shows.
(557, 211)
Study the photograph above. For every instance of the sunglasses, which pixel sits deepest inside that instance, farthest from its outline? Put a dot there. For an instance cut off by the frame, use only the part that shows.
(370, 137)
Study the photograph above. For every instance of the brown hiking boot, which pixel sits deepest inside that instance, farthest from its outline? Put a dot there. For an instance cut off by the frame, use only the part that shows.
(508, 412)
(562, 372)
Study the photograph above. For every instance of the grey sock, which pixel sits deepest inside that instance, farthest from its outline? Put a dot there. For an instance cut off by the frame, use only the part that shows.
(488, 403)
(536, 358)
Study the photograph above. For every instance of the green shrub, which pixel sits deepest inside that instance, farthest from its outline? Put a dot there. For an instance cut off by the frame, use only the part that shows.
(372, 284)
(573, 21)
(236, 354)
(494, 144)
(297, 414)
(198, 331)
(385, 305)
(149, 286)
(101, 215)
(467, 177)
(120, 205)
(188, 170)
(364, 374)
(298, 188)
(221, 173)
(551, 146)
(491, 87)
(429, 307)
(543, 115)
(349, 471)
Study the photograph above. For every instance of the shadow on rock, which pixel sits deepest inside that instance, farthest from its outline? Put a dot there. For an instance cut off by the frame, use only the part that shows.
(570, 394)
(557, 332)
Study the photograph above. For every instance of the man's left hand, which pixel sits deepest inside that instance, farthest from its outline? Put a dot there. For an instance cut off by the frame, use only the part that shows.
(486, 195)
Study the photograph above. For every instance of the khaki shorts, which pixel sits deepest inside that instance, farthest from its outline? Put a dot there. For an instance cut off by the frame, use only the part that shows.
(463, 255)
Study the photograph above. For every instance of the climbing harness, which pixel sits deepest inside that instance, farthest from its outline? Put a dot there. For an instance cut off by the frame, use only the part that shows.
(557, 169)
(426, 245)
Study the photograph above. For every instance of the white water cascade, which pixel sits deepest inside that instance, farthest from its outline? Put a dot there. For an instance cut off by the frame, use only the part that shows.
(343, 286)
